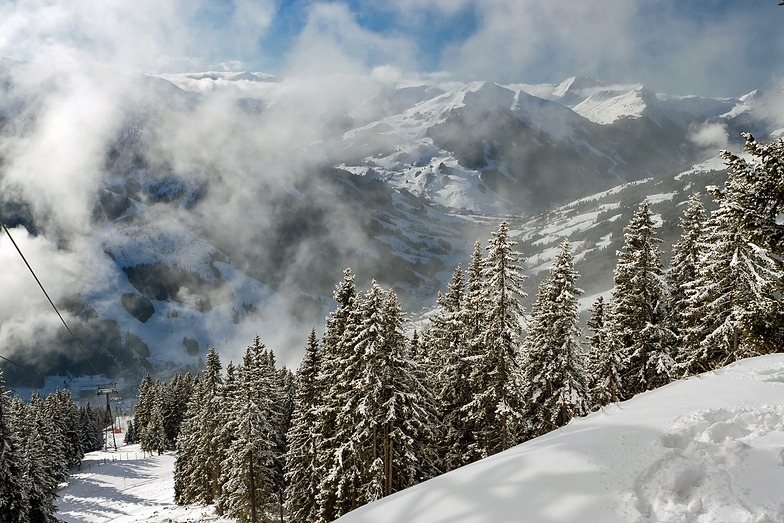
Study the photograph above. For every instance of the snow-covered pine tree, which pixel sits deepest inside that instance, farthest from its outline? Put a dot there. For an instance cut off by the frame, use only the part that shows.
(143, 408)
(155, 433)
(352, 445)
(302, 472)
(496, 408)
(476, 301)
(684, 263)
(449, 343)
(190, 475)
(732, 300)
(248, 485)
(282, 393)
(65, 415)
(475, 309)
(763, 198)
(229, 424)
(332, 382)
(603, 363)
(152, 436)
(554, 380)
(130, 434)
(56, 464)
(383, 439)
(635, 323)
(211, 427)
(197, 466)
(90, 428)
(175, 402)
(408, 411)
(762, 188)
(14, 505)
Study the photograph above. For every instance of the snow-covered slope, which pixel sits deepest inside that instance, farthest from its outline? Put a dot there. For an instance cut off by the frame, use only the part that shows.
(708, 449)
(705, 449)
(127, 486)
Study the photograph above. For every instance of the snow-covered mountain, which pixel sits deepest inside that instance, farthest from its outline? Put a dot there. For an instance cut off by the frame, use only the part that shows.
(169, 214)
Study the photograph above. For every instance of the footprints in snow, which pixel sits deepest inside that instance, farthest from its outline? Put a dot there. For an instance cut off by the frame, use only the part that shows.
(710, 468)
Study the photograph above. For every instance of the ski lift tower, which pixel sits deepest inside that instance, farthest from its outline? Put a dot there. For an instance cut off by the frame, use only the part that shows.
(108, 389)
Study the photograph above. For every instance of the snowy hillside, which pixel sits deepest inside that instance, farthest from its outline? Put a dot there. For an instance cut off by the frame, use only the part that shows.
(705, 449)
(594, 224)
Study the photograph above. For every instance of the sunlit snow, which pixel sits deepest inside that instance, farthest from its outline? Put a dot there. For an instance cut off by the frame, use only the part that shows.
(708, 448)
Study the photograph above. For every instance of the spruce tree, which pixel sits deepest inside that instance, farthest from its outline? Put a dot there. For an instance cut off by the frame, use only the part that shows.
(248, 484)
(229, 424)
(197, 468)
(354, 400)
(733, 296)
(190, 475)
(91, 428)
(496, 407)
(635, 325)
(408, 411)
(302, 472)
(332, 383)
(685, 262)
(381, 441)
(603, 362)
(56, 464)
(554, 379)
(175, 402)
(155, 432)
(13, 502)
(449, 343)
(143, 408)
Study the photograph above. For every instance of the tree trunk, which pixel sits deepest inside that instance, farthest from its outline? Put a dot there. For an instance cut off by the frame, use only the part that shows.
(252, 490)
(387, 461)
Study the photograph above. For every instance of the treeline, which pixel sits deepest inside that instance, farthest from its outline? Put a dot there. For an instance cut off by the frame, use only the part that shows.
(373, 411)
(40, 442)
(160, 408)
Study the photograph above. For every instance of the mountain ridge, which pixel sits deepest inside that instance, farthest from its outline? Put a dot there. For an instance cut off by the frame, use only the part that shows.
(219, 213)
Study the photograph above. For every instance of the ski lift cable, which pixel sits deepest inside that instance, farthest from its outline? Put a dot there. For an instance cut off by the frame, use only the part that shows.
(27, 369)
(48, 298)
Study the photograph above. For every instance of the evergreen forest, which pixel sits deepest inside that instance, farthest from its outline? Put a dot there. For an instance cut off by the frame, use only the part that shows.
(375, 407)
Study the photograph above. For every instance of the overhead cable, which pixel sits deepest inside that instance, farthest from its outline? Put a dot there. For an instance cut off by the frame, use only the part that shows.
(48, 298)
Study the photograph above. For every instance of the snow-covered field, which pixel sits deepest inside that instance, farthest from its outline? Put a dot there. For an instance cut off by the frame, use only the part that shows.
(704, 449)
(126, 486)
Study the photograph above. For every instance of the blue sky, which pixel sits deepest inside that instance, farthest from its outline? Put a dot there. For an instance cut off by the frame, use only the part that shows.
(709, 47)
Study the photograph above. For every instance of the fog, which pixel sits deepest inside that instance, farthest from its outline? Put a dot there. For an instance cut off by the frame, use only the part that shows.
(227, 171)
(103, 137)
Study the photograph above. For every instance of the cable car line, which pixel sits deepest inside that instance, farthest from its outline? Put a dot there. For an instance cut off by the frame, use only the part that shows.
(28, 370)
(48, 298)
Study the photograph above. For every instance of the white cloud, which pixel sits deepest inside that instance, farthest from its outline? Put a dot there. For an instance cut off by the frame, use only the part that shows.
(332, 41)
(710, 135)
(669, 46)
(144, 35)
(519, 38)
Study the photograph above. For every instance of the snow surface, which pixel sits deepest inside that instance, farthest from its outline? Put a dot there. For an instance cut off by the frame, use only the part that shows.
(126, 486)
(704, 449)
